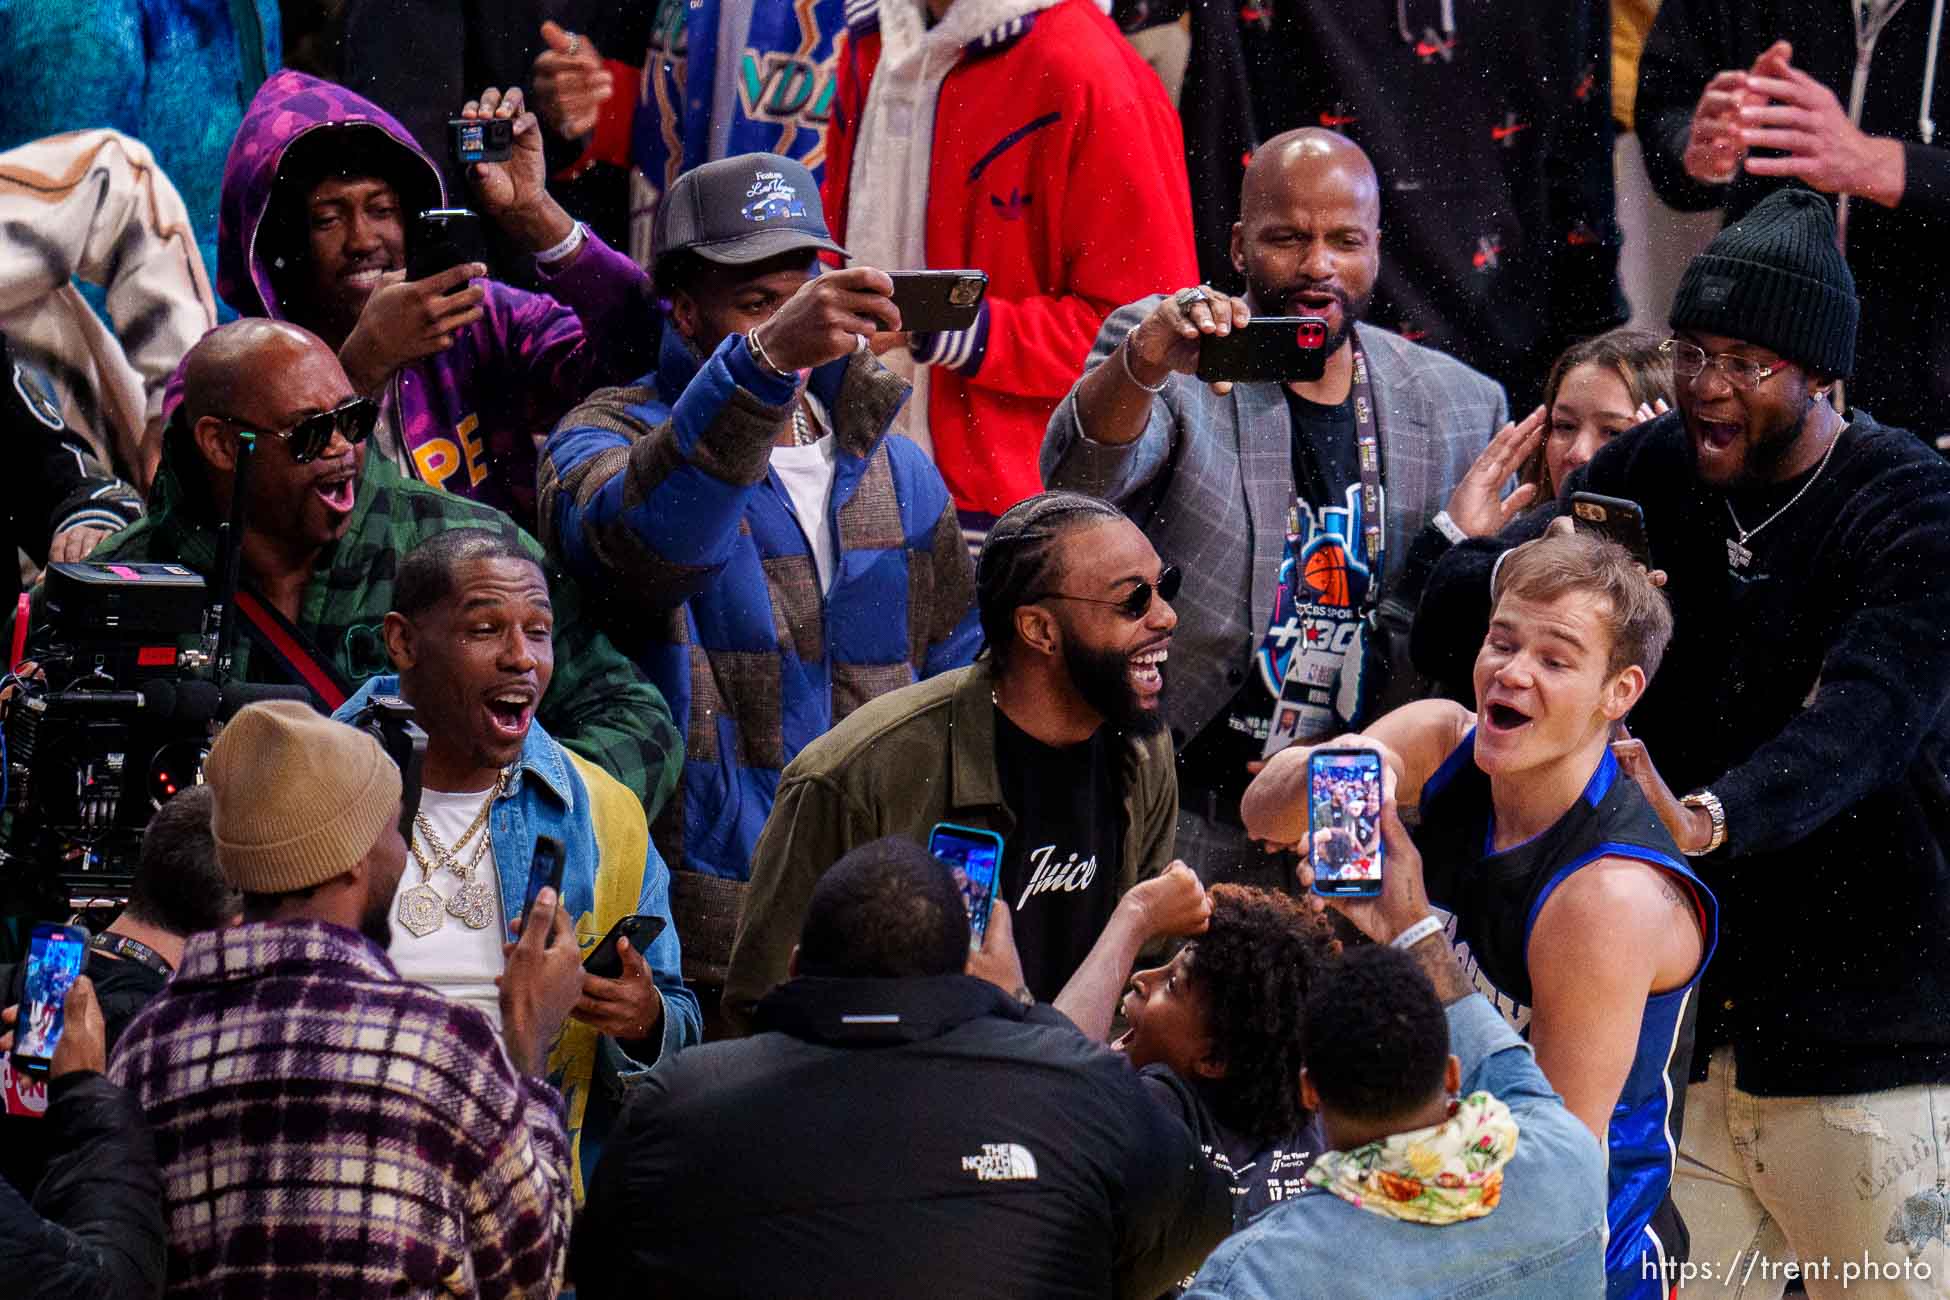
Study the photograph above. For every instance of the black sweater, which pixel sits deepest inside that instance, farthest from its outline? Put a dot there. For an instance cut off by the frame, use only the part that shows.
(1810, 697)
(1903, 366)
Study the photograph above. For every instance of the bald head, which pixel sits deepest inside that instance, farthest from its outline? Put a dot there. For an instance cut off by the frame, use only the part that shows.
(1309, 230)
(267, 377)
(1300, 157)
(235, 369)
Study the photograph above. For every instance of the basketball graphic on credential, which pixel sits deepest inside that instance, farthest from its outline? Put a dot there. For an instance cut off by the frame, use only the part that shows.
(1326, 576)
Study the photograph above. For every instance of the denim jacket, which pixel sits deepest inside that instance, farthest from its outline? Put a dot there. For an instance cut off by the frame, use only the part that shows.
(1545, 1240)
(610, 870)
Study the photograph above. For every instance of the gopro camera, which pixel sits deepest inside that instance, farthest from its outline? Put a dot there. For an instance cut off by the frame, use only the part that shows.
(481, 139)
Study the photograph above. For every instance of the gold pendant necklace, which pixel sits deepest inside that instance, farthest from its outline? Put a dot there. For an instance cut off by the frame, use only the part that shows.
(421, 909)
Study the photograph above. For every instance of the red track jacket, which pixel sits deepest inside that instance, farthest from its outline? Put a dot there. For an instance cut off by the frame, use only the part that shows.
(1058, 168)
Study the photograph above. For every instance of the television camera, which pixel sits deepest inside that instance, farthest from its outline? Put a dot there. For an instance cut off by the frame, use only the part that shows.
(132, 679)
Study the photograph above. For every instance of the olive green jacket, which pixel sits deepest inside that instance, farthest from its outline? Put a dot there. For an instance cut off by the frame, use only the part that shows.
(896, 766)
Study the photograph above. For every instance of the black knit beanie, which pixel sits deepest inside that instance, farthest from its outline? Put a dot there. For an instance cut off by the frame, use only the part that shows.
(1774, 278)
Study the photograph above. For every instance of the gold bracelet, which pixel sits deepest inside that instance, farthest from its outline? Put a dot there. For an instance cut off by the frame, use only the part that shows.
(1711, 803)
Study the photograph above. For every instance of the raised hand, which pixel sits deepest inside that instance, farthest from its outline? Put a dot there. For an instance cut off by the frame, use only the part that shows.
(405, 320)
(541, 983)
(827, 317)
(1788, 110)
(997, 960)
(1714, 147)
(627, 1007)
(1404, 899)
(1166, 342)
(510, 190)
(1173, 903)
(1478, 505)
(1651, 410)
(571, 83)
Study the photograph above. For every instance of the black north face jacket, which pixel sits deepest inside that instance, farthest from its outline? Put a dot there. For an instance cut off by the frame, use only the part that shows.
(922, 1137)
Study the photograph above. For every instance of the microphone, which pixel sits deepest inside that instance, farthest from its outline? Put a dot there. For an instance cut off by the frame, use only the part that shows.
(185, 701)
(238, 695)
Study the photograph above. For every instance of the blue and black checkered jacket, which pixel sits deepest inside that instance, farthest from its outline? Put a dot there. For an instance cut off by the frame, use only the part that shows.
(669, 510)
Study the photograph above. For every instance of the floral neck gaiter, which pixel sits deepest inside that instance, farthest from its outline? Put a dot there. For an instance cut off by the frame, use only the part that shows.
(1438, 1175)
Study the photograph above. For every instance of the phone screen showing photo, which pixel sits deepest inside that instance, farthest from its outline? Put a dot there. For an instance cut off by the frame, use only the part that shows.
(54, 959)
(975, 858)
(1344, 821)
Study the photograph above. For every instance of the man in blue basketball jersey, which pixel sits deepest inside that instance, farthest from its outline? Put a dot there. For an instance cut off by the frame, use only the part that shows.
(1570, 906)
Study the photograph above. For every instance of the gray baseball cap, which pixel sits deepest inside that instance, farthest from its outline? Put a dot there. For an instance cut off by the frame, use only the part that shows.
(741, 210)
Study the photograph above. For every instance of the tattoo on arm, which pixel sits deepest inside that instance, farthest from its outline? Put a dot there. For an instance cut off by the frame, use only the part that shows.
(1676, 895)
(1439, 963)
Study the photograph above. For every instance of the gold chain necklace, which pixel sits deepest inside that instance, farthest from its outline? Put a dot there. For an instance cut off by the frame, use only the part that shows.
(421, 909)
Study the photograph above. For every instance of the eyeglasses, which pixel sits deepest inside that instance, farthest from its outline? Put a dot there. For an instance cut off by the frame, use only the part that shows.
(1689, 362)
(353, 420)
(1138, 603)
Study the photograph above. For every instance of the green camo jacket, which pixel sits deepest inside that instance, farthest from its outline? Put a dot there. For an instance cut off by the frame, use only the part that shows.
(597, 703)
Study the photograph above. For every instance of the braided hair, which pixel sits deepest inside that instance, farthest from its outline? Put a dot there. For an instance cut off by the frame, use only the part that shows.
(1019, 559)
(1253, 966)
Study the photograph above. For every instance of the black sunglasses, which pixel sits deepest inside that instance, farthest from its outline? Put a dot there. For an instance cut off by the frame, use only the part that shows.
(1138, 603)
(353, 420)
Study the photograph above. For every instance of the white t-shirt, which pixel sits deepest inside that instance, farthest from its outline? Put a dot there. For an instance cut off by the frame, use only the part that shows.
(807, 473)
(455, 961)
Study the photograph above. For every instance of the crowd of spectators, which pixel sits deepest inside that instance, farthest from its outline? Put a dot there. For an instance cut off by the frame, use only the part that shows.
(556, 375)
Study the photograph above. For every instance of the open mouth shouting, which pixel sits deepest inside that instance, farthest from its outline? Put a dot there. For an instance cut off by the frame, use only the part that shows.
(1146, 670)
(1326, 303)
(509, 710)
(1130, 1007)
(1502, 719)
(338, 488)
(1717, 435)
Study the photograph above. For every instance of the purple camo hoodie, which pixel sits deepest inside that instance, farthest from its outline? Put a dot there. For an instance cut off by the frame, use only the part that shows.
(470, 417)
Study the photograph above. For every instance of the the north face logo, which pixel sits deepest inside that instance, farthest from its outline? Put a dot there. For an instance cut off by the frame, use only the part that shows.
(1001, 1162)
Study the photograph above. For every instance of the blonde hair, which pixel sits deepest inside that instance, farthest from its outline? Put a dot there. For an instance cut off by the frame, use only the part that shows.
(1635, 611)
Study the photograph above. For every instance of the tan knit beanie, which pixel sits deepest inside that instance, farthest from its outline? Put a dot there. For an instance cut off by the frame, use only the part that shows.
(299, 798)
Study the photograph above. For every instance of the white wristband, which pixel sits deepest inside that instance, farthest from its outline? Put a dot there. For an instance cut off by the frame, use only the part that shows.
(563, 251)
(1414, 934)
(1448, 527)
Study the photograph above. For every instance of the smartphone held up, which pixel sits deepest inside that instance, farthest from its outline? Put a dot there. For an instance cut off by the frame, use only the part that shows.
(974, 857)
(1344, 794)
(935, 301)
(440, 239)
(55, 956)
(1283, 349)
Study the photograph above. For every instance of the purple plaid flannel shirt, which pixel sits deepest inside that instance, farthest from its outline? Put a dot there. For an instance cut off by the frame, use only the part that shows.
(326, 1128)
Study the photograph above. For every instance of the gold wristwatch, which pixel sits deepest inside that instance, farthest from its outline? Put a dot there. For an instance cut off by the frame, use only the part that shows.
(1711, 802)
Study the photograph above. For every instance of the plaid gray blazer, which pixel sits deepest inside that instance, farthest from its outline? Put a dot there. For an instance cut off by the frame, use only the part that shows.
(1210, 479)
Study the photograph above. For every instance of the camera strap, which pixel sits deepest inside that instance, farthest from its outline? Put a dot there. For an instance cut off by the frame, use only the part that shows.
(120, 945)
(276, 635)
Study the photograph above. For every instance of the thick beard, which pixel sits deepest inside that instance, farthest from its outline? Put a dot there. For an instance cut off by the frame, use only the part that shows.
(1766, 454)
(376, 922)
(1102, 678)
